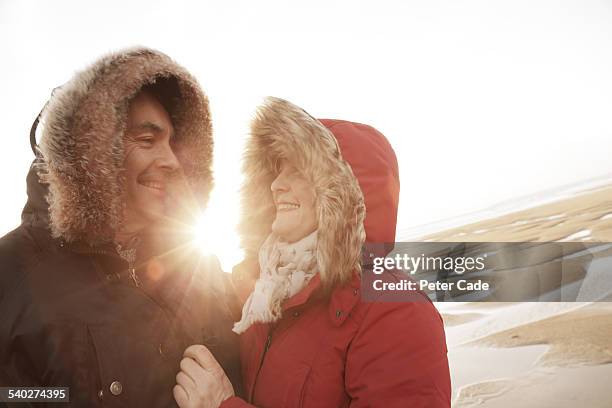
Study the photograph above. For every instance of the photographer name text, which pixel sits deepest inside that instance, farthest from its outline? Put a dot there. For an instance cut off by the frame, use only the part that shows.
(423, 284)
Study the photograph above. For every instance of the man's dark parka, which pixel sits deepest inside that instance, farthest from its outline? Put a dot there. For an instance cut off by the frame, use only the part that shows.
(72, 313)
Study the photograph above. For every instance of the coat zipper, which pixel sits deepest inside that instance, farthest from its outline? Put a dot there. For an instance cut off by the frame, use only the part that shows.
(263, 356)
(132, 273)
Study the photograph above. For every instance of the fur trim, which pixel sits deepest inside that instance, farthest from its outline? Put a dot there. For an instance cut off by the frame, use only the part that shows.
(82, 141)
(283, 130)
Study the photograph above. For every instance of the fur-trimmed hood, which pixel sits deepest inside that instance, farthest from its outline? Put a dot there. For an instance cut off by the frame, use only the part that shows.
(82, 141)
(351, 166)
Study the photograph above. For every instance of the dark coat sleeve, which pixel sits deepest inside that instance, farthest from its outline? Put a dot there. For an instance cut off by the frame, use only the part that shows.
(19, 252)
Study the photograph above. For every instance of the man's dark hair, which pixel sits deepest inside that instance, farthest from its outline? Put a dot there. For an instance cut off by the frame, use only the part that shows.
(167, 92)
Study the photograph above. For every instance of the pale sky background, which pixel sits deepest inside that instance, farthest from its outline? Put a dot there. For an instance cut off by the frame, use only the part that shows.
(483, 101)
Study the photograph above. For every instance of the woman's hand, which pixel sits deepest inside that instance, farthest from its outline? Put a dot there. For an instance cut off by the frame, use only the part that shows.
(201, 383)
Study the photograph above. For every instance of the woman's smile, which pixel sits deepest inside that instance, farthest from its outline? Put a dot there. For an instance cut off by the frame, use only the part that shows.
(283, 207)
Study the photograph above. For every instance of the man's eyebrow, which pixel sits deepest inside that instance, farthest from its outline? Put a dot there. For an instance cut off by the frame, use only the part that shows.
(144, 126)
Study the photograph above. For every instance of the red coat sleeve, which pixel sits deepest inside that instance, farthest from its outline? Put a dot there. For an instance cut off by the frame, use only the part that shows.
(398, 358)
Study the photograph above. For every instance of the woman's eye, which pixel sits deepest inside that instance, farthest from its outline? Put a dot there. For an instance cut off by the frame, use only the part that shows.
(277, 166)
(293, 172)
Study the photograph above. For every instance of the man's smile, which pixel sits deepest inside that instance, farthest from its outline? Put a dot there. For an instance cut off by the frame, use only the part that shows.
(158, 186)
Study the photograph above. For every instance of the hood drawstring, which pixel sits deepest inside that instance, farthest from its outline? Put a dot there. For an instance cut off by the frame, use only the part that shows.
(33, 144)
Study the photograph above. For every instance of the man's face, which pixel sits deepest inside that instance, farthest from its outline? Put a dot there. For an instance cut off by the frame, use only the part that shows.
(149, 161)
(294, 198)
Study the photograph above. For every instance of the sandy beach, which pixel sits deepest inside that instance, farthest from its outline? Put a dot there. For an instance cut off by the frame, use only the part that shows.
(586, 218)
(557, 361)
(535, 354)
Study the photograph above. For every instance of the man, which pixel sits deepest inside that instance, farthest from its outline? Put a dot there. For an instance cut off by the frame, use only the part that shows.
(99, 291)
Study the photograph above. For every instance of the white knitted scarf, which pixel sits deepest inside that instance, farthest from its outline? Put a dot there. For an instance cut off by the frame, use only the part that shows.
(285, 269)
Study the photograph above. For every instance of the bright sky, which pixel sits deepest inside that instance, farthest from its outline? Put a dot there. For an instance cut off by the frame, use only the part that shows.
(483, 100)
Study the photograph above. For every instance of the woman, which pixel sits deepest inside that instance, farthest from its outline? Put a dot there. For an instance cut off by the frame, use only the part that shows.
(307, 338)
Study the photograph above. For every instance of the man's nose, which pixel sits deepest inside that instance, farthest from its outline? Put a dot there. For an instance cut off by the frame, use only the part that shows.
(167, 159)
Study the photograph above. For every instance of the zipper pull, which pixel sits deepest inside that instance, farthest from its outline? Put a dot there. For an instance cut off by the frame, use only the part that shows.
(134, 277)
(268, 342)
(129, 255)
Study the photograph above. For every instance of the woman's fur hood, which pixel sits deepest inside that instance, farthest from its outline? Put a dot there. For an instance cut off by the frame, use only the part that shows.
(82, 141)
(283, 130)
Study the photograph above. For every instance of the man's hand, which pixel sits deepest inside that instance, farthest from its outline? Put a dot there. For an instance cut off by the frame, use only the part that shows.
(201, 383)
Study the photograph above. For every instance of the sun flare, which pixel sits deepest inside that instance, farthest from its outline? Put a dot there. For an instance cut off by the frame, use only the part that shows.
(215, 235)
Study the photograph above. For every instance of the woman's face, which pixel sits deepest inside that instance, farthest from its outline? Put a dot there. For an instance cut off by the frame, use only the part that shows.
(294, 198)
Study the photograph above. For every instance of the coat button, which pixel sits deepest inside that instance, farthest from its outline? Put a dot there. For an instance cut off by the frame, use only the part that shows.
(116, 388)
(355, 292)
(338, 313)
(101, 394)
(296, 314)
(160, 349)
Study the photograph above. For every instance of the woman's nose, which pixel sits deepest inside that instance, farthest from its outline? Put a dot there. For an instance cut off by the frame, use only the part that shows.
(279, 183)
